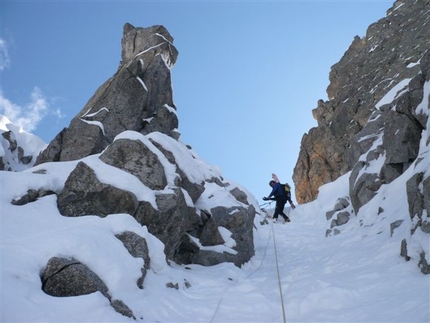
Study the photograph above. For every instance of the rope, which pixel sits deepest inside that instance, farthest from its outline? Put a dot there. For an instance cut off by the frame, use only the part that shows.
(264, 204)
(247, 277)
(279, 277)
(261, 263)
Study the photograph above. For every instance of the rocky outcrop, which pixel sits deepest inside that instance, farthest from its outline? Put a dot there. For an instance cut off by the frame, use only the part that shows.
(393, 132)
(173, 218)
(131, 122)
(392, 51)
(375, 129)
(138, 97)
(18, 149)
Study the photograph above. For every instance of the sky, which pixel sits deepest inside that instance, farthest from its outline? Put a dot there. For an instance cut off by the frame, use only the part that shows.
(246, 80)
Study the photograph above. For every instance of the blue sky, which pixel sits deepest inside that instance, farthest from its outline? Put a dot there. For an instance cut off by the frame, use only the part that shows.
(246, 80)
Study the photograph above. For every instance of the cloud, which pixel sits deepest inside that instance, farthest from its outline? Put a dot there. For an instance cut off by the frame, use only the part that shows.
(4, 55)
(28, 116)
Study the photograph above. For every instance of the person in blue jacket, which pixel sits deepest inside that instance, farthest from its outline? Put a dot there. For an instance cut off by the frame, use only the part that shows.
(277, 194)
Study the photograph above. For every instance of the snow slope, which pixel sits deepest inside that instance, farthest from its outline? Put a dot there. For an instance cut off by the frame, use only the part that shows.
(356, 276)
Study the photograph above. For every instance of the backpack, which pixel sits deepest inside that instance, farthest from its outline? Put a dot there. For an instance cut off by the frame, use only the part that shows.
(287, 190)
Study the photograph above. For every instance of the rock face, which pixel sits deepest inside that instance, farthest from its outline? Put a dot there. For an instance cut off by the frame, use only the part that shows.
(392, 51)
(131, 123)
(375, 126)
(138, 97)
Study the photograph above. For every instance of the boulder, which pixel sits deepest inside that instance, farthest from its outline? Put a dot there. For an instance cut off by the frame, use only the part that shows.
(134, 157)
(65, 277)
(341, 219)
(84, 194)
(342, 203)
(239, 195)
(239, 221)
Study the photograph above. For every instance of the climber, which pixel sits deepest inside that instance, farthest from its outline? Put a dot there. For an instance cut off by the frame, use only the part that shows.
(281, 197)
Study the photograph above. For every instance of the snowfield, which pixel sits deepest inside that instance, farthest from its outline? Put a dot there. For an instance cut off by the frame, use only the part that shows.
(355, 276)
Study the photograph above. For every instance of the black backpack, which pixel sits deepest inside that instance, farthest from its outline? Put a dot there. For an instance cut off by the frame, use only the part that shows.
(287, 190)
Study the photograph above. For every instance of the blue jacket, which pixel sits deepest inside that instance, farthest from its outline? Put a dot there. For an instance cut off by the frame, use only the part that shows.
(278, 192)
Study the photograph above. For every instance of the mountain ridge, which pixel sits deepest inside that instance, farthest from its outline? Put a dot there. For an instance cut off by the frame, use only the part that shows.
(389, 53)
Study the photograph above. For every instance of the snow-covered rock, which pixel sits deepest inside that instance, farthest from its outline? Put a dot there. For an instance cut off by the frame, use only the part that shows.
(19, 149)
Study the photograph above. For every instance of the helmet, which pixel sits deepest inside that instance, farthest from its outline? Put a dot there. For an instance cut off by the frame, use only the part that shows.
(272, 182)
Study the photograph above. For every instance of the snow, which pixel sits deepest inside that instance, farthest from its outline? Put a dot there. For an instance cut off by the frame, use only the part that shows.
(31, 144)
(217, 248)
(185, 157)
(394, 93)
(87, 114)
(92, 122)
(355, 276)
(144, 51)
(141, 82)
(159, 35)
(95, 123)
(413, 64)
(170, 109)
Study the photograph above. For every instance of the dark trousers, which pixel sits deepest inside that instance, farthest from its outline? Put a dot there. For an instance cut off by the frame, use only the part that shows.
(279, 209)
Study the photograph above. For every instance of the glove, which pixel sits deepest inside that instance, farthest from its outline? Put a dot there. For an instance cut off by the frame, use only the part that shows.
(265, 199)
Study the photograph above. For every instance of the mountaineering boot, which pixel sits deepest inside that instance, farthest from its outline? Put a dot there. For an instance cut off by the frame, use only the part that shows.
(286, 219)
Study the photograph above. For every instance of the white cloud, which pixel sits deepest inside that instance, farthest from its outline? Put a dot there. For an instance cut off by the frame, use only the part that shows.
(58, 113)
(29, 115)
(4, 55)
